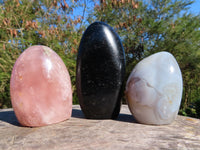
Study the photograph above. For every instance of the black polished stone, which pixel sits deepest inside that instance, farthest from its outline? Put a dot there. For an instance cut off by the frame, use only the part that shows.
(100, 72)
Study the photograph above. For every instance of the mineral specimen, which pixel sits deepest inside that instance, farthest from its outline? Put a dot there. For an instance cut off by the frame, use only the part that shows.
(40, 88)
(100, 72)
(154, 89)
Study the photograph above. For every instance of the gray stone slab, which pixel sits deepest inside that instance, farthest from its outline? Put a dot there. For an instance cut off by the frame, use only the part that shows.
(81, 133)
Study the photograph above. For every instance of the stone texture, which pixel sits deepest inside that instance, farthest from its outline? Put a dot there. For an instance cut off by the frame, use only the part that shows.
(154, 89)
(79, 133)
(40, 88)
(100, 72)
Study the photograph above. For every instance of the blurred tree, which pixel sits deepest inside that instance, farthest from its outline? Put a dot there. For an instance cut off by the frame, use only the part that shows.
(25, 23)
(146, 27)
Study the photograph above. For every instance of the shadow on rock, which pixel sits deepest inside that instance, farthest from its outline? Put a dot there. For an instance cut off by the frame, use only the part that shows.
(9, 117)
(126, 118)
(76, 113)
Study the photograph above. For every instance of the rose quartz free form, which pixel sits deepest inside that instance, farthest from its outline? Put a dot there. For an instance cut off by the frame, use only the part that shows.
(40, 88)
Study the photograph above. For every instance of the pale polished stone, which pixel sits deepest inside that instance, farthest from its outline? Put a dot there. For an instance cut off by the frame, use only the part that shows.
(40, 88)
(154, 89)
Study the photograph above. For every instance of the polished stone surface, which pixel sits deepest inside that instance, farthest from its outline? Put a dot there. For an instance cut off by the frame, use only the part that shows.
(78, 133)
(154, 89)
(100, 72)
(40, 88)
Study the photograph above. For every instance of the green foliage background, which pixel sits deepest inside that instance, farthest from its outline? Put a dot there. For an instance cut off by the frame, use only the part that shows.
(145, 27)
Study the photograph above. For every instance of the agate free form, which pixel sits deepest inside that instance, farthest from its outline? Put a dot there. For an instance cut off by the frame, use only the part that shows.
(154, 89)
(100, 72)
(40, 88)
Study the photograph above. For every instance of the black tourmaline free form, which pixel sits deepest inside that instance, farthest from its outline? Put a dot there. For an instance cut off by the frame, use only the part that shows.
(100, 72)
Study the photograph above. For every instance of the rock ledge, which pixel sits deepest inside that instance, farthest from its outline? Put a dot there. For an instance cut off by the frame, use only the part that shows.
(81, 133)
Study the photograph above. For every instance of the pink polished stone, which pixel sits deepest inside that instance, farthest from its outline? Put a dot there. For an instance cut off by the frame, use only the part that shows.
(40, 88)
